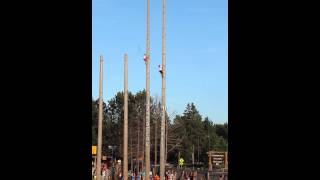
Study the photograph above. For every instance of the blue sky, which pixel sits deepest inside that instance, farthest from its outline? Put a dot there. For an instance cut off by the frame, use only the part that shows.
(197, 51)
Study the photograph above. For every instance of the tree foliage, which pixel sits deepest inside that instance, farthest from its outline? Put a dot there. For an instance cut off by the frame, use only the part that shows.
(187, 133)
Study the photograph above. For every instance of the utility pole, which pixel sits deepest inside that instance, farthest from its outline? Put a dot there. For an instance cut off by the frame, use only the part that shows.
(147, 148)
(125, 127)
(98, 172)
(163, 117)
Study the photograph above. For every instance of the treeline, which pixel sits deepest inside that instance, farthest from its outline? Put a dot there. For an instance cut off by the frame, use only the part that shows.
(187, 133)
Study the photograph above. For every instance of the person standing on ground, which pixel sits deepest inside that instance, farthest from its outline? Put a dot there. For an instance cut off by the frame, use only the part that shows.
(156, 177)
(104, 173)
(174, 175)
(195, 175)
(150, 175)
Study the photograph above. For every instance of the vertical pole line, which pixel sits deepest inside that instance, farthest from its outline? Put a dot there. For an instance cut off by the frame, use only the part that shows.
(163, 117)
(147, 125)
(125, 127)
(99, 148)
(131, 162)
(155, 146)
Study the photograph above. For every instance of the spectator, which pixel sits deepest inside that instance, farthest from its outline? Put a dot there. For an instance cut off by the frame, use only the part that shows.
(221, 177)
(156, 177)
(150, 175)
(175, 175)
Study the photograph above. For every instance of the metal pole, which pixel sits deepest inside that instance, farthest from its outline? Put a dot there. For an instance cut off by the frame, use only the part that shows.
(125, 127)
(163, 117)
(147, 148)
(99, 148)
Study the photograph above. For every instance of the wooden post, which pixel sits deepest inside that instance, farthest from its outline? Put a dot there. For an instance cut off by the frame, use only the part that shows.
(210, 161)
(125, 124)
(163, 117)
(99, 148)
(155, 145)
(138, 149)
(147, 125)
(226, 160)
(131, 155)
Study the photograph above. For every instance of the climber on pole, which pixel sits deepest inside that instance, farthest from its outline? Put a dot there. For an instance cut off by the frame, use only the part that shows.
(160, 69)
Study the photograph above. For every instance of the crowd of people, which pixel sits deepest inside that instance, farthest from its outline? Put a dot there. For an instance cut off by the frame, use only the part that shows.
(105, 172)
(108, 173)
(188, 175)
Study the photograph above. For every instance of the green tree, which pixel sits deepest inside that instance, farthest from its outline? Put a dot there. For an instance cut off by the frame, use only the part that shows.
(191, 129)
(184, 131)
(222, 130)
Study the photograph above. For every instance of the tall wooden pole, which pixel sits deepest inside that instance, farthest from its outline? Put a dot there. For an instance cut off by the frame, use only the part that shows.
(99, 148)
(166, 145)
(155, 145)
(163, 117)
(138, 149)
(143, 140)
(147, 148)
(210, 161)
(131, 162)
(125, 127)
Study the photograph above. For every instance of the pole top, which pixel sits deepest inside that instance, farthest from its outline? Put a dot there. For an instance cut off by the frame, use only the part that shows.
(101, 57)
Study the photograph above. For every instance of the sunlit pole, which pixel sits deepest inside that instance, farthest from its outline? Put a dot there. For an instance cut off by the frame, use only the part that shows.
(163, 117)
(99, 148)
(125, 124)
(147, 125)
